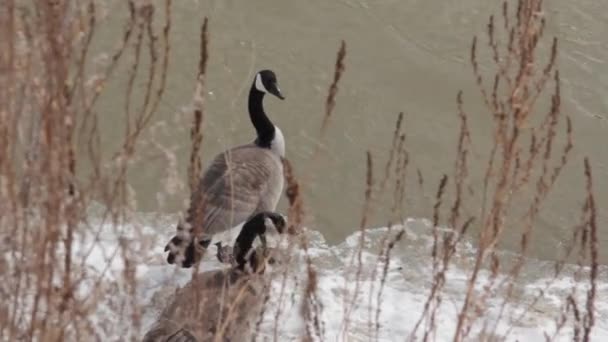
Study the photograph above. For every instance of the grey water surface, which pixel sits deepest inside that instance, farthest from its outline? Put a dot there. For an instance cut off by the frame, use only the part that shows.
(402, 56)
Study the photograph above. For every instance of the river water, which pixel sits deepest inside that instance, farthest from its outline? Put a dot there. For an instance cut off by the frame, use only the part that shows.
(402, 56)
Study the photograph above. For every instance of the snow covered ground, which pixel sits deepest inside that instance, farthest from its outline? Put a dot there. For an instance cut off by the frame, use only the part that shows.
(403, 297)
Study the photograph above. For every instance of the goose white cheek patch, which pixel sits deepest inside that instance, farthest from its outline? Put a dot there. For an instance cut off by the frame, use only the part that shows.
(259, 85)
(268, 223)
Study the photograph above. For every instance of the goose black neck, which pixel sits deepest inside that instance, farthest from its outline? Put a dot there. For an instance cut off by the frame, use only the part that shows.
(263, 126)
(251, 229)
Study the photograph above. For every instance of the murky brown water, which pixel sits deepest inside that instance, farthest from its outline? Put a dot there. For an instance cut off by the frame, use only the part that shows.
(409, 56)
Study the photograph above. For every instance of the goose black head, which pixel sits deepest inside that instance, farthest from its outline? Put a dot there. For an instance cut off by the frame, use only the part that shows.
(266, 82)
(275, 220)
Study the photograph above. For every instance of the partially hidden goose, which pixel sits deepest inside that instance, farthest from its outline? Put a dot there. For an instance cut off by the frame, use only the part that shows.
(221, 305)
(239, 183)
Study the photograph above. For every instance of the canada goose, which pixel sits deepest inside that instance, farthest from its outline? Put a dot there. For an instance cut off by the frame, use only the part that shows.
(240, 182)
(221, 305)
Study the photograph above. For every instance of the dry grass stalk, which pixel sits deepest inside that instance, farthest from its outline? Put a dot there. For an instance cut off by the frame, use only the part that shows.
(311, 305)
(387, 258)
(396, 145)
(434, 299)
(350, 303)
(330, 102)
(400, 157)
(511, 114)
(47, 93)
(196, 134)
(516, 86)
(591, 224)
(295, 212)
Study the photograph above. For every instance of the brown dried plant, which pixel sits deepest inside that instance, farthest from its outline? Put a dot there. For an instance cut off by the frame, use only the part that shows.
(196, 135)
(51, 168)
(521, 157)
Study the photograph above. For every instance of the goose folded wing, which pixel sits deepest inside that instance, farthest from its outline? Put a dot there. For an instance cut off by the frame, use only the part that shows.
(230, 191)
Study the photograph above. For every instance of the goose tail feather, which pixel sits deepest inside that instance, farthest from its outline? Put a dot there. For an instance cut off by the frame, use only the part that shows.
(184, 248)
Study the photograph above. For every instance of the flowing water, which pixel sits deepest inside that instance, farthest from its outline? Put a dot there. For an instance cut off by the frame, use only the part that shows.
(402, 56)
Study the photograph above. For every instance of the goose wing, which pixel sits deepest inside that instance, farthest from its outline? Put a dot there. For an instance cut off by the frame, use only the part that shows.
(231, 189)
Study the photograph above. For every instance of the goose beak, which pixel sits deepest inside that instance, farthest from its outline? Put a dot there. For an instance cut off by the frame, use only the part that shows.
(274, 90)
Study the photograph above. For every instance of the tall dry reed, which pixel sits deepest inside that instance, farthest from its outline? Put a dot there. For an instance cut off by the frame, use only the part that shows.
(51, 167)
(524, 155)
